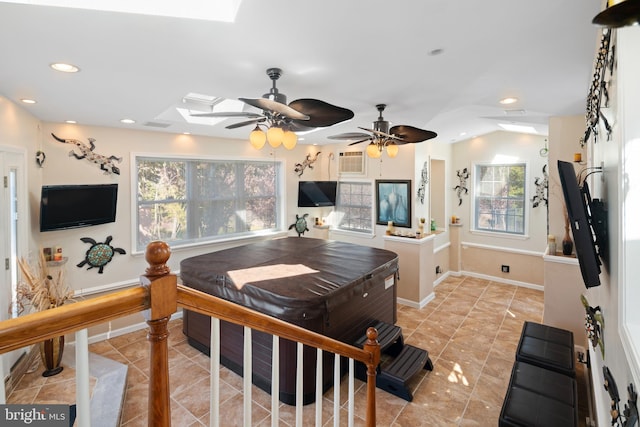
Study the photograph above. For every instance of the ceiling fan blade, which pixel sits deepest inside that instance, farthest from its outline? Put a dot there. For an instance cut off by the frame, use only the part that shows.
(410, 134)
(379, 133)
(277, 107)
(362, 140)
(321, 114)
(350, 135)
(227, 114)
(245, 123)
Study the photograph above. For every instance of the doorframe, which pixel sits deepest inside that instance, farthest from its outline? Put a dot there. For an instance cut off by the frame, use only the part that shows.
(12, 157)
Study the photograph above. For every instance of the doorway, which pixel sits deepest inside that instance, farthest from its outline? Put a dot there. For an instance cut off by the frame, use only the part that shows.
(13, 235)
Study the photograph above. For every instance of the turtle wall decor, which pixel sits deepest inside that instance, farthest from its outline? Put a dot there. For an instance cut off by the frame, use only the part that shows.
(300, 225)
(99, 254)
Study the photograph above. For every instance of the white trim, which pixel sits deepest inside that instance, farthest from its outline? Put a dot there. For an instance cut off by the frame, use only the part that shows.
(501, 249)
(417, 305)
(126, 329)
(441, 247)
(442, 278)
(560, 259)
(499, 235)
(364, 235)
(502, 280)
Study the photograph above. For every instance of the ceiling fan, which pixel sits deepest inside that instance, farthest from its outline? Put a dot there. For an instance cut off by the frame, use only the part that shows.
(381, 136)
(299, 115)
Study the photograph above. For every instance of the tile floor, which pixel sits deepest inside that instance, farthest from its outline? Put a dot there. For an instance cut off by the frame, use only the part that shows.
(471, 330)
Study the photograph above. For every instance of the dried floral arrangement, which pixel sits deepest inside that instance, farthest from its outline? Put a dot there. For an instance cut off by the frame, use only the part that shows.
(39, 289)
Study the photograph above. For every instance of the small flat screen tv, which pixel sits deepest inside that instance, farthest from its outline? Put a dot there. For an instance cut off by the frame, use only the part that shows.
(316, 193)
(72, 206)
(578, 200)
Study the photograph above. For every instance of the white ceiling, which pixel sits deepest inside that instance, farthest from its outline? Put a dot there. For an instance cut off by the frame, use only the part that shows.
(351, 53)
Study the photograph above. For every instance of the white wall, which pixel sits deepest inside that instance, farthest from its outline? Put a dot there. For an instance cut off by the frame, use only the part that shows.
(488, 148)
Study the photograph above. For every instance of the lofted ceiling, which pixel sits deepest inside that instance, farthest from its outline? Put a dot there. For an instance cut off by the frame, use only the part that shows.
(438, 65)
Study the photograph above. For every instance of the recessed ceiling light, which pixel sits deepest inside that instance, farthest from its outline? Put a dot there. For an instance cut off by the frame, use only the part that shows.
(65, 68)
(186, 133)
(28, 101)
(71, 122)
(127, 121)
(509, 100)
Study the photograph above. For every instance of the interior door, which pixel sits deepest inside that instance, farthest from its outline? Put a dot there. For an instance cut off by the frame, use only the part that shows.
(13, 235)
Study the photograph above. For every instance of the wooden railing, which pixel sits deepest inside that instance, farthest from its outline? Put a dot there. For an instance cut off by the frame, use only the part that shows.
(160, 295)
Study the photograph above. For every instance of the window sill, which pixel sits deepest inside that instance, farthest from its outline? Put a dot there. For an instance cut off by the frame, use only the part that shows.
(364, 235)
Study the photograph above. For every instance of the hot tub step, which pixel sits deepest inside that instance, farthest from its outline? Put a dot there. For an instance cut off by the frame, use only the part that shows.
(394, 377)
(389, 337)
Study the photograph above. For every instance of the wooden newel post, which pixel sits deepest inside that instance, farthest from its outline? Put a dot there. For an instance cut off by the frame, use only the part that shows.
(372, 346)
(163, 290)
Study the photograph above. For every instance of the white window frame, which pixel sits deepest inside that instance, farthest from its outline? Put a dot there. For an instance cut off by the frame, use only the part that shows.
(280, 197)
(338, 215)
(526, 205)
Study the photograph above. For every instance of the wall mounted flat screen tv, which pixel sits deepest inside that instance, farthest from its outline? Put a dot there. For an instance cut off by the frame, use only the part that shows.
(72, 206)
(578, 203)
(316, 193)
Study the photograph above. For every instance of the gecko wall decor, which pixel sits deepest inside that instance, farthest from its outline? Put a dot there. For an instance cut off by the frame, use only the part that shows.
(86, 152)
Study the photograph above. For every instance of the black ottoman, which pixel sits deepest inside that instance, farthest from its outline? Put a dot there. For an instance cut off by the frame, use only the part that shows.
(547, 347)
(525, 408)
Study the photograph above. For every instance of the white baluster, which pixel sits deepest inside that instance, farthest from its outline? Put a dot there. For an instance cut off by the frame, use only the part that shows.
(214, 368)
(318, 387)
(299, 384)
(336, 390)
(275, 381)
(247, 372)
(351, 392)
(83, 395)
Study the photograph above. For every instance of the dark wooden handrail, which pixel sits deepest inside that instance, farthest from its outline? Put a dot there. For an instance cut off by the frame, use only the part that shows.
(160, 295)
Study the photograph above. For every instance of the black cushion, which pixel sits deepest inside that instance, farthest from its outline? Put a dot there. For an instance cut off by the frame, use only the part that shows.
(525, 408)
(547, 347)
(552, 384)
(548, 333)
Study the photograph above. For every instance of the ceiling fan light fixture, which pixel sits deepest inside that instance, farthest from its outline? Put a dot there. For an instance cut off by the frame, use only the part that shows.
(373, 151)
(274, 136)
(257, 138)
(289, 140)
(392, 150)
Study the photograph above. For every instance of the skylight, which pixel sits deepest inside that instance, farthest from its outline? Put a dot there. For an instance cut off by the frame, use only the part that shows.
(518, 128)
(219, 10)
(217, 105)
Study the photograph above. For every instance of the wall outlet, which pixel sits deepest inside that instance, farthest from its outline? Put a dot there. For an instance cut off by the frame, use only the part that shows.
(505, 268)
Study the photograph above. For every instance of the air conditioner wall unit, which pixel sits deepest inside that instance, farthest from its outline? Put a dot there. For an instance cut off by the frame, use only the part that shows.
(351, 163)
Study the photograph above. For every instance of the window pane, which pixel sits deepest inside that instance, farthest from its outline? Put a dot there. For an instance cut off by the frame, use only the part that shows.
(354, 206)
(499, 198)
(184, 201)
(161, 221)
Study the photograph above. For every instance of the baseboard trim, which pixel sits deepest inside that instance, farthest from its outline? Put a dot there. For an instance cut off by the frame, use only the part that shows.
(503, 280)
(414, 304)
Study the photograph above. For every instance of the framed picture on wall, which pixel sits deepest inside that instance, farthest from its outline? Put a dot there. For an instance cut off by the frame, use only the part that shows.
(393, 202)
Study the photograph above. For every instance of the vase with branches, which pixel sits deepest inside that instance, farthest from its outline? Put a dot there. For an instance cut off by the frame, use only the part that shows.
(39, 290)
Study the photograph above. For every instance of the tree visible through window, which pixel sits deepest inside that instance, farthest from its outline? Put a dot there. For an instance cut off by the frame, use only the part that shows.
(353, 206)
(189, 200)
(500, 198)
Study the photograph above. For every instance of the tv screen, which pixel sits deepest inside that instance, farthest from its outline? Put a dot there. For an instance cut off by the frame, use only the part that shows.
(72, 206)
(578, 209)
(316, 193)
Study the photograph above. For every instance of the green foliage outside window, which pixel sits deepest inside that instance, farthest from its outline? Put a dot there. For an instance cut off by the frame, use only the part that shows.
(191, 200)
